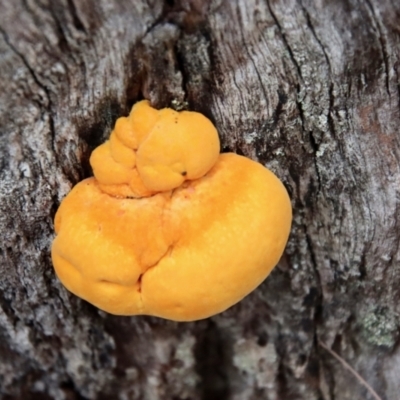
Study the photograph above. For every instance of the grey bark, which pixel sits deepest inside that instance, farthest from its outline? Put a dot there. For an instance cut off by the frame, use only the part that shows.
(311, 89)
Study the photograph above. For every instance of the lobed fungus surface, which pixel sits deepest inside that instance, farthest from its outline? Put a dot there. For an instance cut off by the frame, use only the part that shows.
(168, 226)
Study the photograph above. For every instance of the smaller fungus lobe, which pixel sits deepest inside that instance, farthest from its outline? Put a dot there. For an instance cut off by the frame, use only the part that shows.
(168, 226)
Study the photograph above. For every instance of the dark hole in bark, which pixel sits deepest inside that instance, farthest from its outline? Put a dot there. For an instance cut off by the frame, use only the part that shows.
(212, 363)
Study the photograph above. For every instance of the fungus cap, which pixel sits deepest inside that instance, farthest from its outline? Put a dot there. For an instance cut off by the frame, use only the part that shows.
(180, 146)
(182, 255)
(155, 150)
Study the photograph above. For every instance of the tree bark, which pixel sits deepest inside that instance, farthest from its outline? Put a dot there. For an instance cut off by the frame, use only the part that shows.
(309, 88)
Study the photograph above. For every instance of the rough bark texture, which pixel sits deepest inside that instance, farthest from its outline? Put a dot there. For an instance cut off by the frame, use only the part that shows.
(310, 88)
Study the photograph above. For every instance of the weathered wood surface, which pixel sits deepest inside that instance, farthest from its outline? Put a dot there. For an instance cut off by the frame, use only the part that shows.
(310, 88)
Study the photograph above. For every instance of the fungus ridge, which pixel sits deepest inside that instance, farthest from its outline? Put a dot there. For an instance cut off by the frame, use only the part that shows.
(153, 151)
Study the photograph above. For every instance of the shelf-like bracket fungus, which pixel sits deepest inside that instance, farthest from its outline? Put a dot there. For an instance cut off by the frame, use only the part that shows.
(168, 226)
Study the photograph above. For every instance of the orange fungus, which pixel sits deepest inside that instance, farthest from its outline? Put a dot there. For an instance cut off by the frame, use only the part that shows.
(168, 226)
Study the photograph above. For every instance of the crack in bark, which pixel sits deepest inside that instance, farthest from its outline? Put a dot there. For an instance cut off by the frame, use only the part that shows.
(330, 91)
(315, 148)
(314, 264)
(251, 58)
(284, 39)
(48, 107)
(165, 17)
(396, 67)
(312, 30)
(319, 302)
(298, 90)
(158, 21)
(60, 30)
(180, 66)
(79, 25)
(382, 43)
(331, 123)
(331, 86)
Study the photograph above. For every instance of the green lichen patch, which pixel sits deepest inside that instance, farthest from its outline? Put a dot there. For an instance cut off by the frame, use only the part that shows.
(380, 326)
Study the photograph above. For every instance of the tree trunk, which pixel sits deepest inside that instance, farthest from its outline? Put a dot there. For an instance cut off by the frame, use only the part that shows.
(309, 88)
